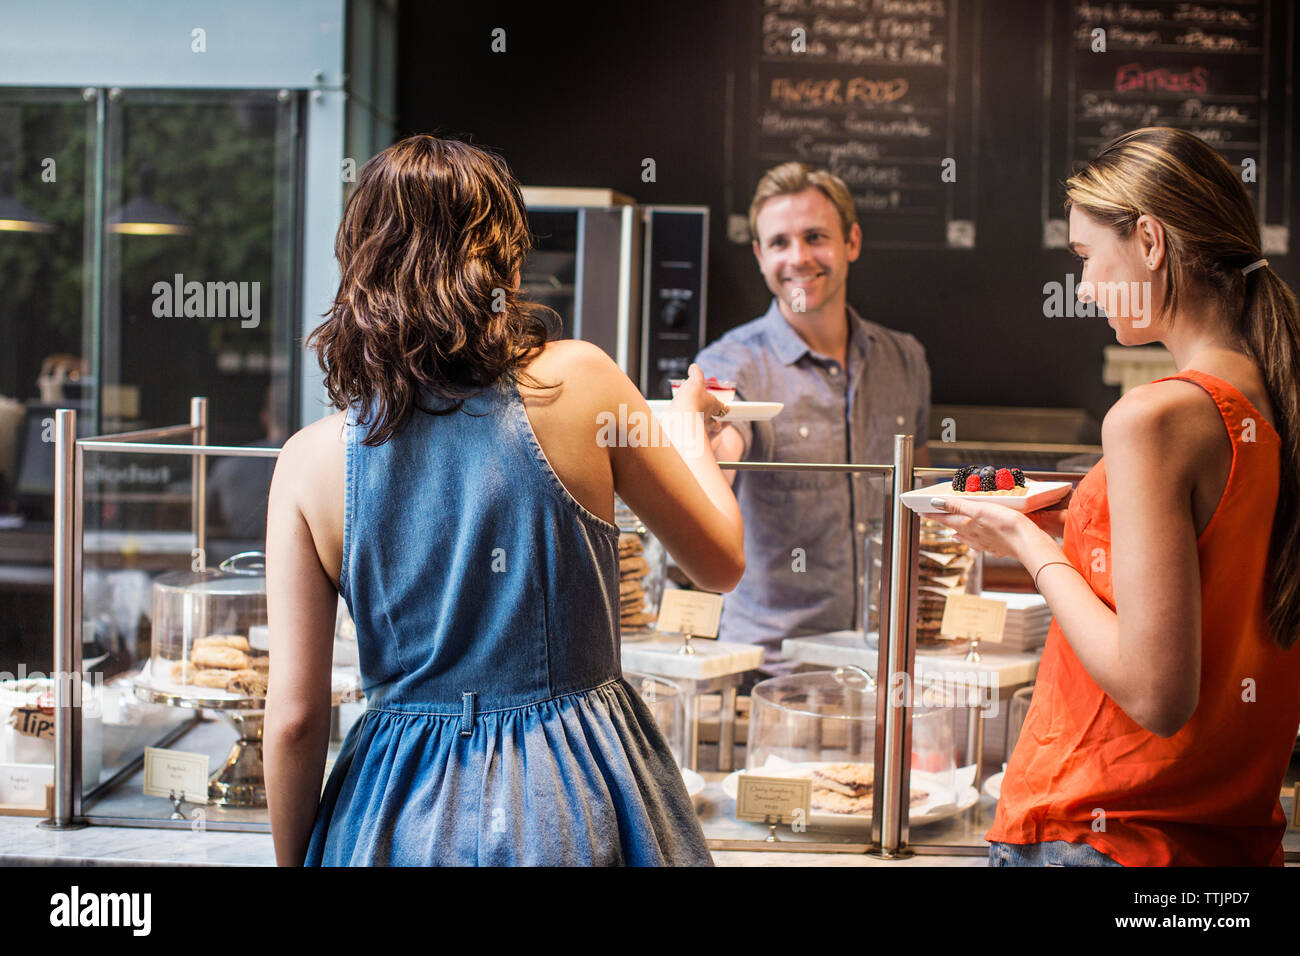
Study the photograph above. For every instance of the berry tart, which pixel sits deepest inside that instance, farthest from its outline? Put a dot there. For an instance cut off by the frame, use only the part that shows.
(725, 392)
(988, 480)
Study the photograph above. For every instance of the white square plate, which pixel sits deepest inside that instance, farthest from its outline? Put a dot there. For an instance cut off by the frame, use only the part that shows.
(1038, 494)
(736, 411)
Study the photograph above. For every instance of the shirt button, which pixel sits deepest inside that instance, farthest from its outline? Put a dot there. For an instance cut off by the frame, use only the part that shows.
(901, 419)
(862, 527)
(803, 431)
(835, 369)
(861, 580)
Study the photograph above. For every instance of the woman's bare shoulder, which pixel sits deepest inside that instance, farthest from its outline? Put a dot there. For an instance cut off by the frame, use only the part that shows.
(311, 451)
(1175, 419)
(588, 379)
(320, 436)
(566, 359)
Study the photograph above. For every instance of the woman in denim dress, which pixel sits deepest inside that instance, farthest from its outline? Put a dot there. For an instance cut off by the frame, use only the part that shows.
(462, 502)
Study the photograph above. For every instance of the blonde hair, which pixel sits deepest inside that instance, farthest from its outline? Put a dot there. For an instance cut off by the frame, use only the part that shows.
(1211, 235)
(790, 178)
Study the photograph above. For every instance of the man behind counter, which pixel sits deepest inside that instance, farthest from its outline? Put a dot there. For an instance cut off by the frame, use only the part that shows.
(848, 385)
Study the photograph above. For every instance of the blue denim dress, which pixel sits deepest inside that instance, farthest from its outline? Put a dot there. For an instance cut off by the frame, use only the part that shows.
(498, 728)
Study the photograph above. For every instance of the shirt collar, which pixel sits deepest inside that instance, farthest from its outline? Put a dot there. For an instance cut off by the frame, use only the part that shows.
(789, 347)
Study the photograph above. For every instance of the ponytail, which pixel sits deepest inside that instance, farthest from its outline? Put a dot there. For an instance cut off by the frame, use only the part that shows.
(1271, 326)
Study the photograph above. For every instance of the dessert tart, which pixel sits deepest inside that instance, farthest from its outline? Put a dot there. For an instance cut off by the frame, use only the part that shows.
(988, 480)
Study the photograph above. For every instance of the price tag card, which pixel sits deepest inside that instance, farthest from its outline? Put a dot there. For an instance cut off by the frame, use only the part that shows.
(168, 770)
(965, 615)
(773, 799)
(696, 613)
(25, 783)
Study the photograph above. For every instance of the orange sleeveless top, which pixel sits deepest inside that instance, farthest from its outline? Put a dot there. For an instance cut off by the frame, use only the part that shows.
(1208, 795)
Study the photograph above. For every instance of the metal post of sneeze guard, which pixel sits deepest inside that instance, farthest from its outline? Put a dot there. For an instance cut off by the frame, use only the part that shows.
(199, 478)
(67, 624)
(896, 649)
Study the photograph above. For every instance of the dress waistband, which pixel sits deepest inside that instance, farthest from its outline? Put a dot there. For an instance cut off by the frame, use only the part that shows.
(472, 704)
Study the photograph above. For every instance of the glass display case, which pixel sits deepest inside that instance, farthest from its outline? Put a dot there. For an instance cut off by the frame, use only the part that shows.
(822, 726)
(176, 651)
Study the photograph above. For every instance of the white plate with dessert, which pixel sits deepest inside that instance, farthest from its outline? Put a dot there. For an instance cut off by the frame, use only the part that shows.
(842, 792)
(736, 411)
(1002, 486)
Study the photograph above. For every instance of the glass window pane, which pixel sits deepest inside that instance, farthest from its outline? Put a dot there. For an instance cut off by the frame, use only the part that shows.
(44, 142)
(201, 248)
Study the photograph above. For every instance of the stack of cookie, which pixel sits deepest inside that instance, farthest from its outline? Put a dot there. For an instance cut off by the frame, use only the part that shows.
(634, 614)
(944, 568)
(225, 662)
(843, 788)
(846, 788)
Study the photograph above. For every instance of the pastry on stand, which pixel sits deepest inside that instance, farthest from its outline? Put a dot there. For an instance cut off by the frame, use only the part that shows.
(211, 652)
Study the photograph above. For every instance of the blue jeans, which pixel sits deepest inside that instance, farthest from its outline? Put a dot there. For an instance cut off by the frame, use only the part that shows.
(1049, 853)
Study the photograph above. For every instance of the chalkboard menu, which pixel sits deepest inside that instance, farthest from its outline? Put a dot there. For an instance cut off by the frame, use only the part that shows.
(1218, 70)
(881, 92)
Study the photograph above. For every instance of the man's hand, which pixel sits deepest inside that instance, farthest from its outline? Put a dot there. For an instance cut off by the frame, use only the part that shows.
(728, 445)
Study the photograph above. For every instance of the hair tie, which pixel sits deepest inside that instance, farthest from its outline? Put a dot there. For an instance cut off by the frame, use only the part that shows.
(1257, 264)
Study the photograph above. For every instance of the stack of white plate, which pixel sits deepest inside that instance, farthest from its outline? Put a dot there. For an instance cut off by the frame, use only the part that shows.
(1028, 618)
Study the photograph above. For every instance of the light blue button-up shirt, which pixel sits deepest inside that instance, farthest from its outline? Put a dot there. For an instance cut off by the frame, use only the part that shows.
(804, 532)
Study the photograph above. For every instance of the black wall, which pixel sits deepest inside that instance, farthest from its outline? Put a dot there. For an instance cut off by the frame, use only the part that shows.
(584, 93)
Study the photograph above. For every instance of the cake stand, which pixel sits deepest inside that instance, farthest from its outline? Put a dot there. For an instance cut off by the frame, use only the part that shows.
(240, 780)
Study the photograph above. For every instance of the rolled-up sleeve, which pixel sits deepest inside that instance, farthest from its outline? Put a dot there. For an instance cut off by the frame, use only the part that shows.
(732, 362)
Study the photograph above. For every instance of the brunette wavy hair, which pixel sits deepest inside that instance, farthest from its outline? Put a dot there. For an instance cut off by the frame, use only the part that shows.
(1211, 235)
(429, 250)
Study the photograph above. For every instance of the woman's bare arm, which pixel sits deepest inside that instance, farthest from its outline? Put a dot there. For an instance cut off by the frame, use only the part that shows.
(679, 493)
(301, 604)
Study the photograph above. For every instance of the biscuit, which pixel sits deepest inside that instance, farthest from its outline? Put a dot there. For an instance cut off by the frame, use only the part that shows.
(226, 658)
(943, 547)
(250, 682)
(633, 567)
(237, 641)
(260, 662)
(212, 677)
(831, 802)
(849, 779)
(629, 587)
(636, 621)
(182, 672)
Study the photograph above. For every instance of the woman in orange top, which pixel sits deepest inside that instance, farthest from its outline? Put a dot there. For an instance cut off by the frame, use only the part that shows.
(1168, 696)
